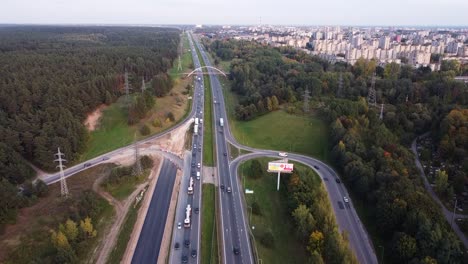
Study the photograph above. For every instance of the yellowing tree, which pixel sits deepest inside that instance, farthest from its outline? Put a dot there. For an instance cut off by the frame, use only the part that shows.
(87, 227)
(315, 242)
(71, 230)
(59, 240)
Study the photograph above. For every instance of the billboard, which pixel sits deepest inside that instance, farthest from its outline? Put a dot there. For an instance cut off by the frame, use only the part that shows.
(280, 167)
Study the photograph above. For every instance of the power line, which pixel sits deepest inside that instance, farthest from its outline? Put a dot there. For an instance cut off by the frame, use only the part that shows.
(143, 86)
(63, 182)
(127, 88)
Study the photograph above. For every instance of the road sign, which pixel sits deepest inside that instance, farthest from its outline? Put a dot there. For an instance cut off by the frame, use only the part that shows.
(280, 167)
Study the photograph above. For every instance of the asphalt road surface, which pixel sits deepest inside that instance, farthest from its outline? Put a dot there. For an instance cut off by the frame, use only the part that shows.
(232, 206)
(149, 242)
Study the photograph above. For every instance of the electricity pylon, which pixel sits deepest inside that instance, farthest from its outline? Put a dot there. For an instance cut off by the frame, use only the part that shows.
(381, 111)
(63, 181)
(127, 88)
(143, 86)
(371, 97)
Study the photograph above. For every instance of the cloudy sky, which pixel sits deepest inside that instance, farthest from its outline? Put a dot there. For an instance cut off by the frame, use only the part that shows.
(290, 12)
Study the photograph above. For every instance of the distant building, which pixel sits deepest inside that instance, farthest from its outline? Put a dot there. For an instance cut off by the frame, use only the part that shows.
(384, 42)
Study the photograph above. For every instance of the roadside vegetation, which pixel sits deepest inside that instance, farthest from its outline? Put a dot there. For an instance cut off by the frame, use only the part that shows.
(209, 241)
(295, 224)
(58, 230)
(122, 181)
(370, 153)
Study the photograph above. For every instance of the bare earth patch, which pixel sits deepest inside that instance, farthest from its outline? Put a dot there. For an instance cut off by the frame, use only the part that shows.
(92, 121)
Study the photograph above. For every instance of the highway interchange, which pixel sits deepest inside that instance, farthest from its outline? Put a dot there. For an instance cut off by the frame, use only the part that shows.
(233, 224)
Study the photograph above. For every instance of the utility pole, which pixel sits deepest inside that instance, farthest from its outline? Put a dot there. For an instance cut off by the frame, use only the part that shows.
(371, 97)
(143, 86)
(63, 181)
(381, 111)
(306, 100)
(179, 66)
(137, 170)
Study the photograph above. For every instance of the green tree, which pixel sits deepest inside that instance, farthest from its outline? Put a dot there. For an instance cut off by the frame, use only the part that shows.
(316, 258)
(71, 230)
(441, 182)
(256, 170)
(274, 103)
(304, 220)
(392, 71)
(315, 242)
(404, 247)
(8, 201)
(269, 104)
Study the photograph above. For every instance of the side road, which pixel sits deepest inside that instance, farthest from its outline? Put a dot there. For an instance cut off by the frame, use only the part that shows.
(447, 214)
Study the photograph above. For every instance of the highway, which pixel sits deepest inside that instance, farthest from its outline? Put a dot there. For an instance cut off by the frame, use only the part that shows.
(192, 159)
(232, 206)
(149, 242)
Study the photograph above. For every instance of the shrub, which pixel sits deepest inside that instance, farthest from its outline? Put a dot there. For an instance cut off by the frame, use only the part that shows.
(170, 116)
(157, 122)
(145, 130)
(267, 239)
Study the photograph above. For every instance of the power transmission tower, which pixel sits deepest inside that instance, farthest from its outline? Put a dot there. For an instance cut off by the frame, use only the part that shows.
(63, 181)
(137, 170)
(381, 111)
(179, 66)
(371, 97)
(127, 88)
(339, 92)
(143, 86)
(306, 100)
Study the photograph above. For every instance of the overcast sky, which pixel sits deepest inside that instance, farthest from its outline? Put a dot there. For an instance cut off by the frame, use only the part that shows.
(286, 12)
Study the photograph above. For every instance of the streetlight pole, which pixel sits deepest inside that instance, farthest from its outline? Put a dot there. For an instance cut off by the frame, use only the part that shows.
(382, 254)
(250, 216)
(453, 214)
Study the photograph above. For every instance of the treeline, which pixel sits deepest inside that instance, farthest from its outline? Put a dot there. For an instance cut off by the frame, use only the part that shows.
(51, 77)
(371, 154)
(381, 172)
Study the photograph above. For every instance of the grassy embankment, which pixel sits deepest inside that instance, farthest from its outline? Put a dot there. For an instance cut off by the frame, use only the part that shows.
(124, 235)
(209, 243)
(113, 130)
(275, 217)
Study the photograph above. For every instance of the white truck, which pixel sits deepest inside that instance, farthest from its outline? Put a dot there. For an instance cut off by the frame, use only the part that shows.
(283, 154)
(195, 129)
(196, 121)
(221, 122)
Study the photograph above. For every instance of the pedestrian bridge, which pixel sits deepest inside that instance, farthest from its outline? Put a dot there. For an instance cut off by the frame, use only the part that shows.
(211, 70)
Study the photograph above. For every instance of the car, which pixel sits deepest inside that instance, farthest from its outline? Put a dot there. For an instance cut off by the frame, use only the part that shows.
(197, 210)
(187, 243)
(194, 253)
(184, 259)
(177, 245)
(199, 165)
(199, 150)
(236, 250)
(86, 165)
(225, 154)
(316, 167)
(228, 189)
(105, 158)
(345, 199)
(195, 146)
(179, 225)
(337, 180)
(222, 186)
(193, 164)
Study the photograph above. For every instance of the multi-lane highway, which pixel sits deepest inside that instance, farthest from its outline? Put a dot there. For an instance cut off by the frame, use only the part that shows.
(185, 245)
(149, 242)
(232, 206)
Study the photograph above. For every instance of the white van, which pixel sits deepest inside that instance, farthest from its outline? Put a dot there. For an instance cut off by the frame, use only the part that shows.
(198, 175)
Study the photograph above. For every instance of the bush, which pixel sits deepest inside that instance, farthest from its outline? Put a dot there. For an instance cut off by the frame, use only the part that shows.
(146, 162)
(256, 208)
(145, 130)
(157, 122)
(170, 116)
(267, 239)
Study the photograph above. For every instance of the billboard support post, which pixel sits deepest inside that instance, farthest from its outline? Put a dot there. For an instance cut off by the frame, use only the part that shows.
(277, 188)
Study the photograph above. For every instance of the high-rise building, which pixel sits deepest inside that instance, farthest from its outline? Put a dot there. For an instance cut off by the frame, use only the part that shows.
(357, 41)
(384, 42)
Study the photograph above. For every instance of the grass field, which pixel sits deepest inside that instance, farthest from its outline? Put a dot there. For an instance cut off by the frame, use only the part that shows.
(124, 235)
(209, 245)
(123, 189)
(282, 131)
(274, 217)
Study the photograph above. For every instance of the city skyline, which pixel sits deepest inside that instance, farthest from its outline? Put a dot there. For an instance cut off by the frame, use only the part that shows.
(242, 12)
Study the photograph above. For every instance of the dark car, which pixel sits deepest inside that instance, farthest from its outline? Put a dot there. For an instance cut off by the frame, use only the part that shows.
(193, 173)
(194, 253)
(222, 186)
(236, 250)
(199, 150)
(177, 245)
(337, 180)
(197, 210)
(316, 167)
(184, 259)
(193, 164)
(225, 154)
(187, 243)
(86, 165)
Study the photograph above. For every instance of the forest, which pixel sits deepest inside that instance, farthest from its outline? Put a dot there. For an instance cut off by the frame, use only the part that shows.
(371, 154)
(51, 77)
